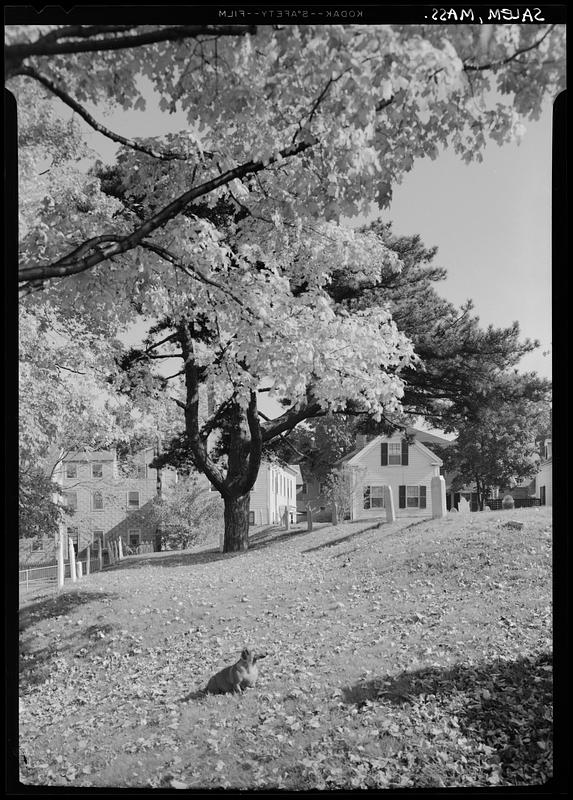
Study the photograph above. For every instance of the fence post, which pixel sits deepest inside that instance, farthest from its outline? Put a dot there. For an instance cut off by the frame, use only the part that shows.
(72, 553)
(88, 559)
(27, 579)
(120, 549)
(61, 566)
(80, 569)
(308, 517)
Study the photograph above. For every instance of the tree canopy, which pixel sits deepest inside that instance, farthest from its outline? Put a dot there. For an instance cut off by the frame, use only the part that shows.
(498, 447)
(289, 131)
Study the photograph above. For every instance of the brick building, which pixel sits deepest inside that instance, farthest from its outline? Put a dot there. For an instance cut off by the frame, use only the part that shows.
(109, 498)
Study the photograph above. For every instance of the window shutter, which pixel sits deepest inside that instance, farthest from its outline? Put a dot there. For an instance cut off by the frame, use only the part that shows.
(401, 497)
(404, 453)
(384, 454)
(422, 497)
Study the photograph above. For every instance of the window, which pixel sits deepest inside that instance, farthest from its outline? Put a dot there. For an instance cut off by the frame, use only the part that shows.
(71, 499)
(133, 500)
(303, 489)
(141, 471)
(251, 517)
(97, 470)
(412, 497)
(97, 501)
(373, 497)
(134, 537)
(394, 453)
(38, 544)
(71, 470)
(97, 537)
(322, 487)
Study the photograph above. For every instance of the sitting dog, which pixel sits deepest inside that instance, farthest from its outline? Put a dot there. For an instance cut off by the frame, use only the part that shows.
(237, 677)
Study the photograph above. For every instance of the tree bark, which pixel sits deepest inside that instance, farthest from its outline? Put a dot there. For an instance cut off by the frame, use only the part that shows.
(236, 523)
(479, 492)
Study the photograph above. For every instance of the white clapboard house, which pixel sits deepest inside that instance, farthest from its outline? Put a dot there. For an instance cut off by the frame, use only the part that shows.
(404, 463)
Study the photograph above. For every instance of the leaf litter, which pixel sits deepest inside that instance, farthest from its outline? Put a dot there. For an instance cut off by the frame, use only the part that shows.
(407, 655)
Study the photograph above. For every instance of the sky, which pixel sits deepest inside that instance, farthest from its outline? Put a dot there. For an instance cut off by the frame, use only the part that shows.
(491, 223)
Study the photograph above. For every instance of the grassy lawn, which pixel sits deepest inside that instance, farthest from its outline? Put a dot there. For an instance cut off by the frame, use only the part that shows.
(416, 654)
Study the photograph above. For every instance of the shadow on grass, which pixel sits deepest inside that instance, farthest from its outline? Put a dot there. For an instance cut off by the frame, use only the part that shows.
(341, 539)
(35, 659)
(182, 558)
(503, 704)
(56, 605)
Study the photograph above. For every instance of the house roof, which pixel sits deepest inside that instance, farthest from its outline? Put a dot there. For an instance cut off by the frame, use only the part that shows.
(101, 455)
(296, 469)
(421, 437)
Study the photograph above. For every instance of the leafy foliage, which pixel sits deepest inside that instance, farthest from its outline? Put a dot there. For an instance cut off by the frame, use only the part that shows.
(238, 224)
(188, 514)
(498, 446)
(38, 511)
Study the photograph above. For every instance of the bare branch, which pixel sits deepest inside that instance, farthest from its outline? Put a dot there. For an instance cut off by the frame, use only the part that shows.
(494, 64)
(84, 31)
(31, 72)
(76, 261)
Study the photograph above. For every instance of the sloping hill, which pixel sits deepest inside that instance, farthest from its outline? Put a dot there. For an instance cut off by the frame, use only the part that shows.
(413, 654)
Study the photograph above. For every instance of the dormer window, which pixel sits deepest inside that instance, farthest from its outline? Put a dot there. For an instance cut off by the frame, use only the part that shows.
(97, 470)
(394, 453)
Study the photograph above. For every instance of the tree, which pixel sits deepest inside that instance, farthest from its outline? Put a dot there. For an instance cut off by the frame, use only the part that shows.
(497, 447)
(341, 114)
(189, 513)
(340, 490)
(65, 406)
(459, 360)
(39, 513)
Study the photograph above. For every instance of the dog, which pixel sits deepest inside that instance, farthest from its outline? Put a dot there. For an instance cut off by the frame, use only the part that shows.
(238, 677)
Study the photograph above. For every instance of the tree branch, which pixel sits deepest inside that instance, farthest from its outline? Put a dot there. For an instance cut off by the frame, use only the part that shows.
(256, 444)
(76, 261)
(190, 271)
(31, 72)
(290, 419)
(197, 442)
(84, 31)
(15, 53)
(494, 64)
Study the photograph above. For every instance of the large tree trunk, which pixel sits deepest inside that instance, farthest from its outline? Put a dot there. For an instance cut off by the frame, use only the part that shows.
(236, 523)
